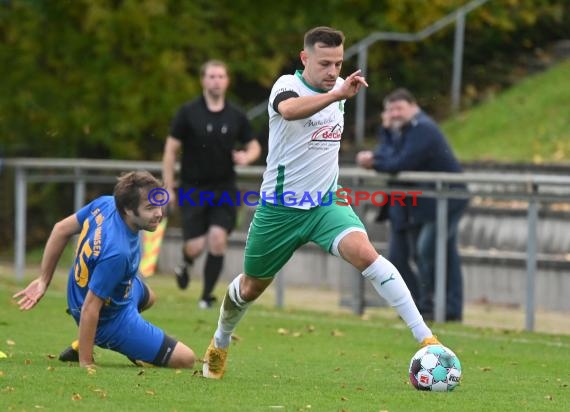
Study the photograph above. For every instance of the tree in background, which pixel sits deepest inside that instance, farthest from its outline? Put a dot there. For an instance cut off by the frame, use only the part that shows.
(100, 78)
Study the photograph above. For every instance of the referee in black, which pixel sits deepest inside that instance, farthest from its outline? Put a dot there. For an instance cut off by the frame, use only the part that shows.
(207, 130)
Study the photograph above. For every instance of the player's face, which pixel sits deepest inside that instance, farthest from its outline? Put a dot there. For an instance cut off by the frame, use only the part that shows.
(148, 216)
(400, 112)
(322, 65)
(215, 81)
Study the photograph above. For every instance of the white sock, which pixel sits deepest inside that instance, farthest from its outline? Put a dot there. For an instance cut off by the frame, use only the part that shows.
(389, 284)
(232, 310)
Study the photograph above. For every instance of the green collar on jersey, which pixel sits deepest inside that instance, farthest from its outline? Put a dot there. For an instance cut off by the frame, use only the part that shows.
(299, 74)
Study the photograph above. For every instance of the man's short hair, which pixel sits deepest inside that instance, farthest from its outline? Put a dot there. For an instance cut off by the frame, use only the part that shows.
(398, 95)
(326, 35)
(129, 188)
(212, 63)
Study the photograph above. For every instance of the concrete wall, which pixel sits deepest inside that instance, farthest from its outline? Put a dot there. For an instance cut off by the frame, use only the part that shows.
(493, 249)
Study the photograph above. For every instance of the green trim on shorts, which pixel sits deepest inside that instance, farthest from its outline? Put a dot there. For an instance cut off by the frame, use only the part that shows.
(277, 231)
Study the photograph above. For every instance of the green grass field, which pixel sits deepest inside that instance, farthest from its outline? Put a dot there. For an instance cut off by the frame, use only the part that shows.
(528, 123)
(284, 360)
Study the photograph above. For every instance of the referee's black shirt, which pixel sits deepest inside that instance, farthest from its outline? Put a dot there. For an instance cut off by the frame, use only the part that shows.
(208, 139)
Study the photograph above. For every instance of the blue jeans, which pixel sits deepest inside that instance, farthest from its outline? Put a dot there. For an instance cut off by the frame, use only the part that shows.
(425, 249)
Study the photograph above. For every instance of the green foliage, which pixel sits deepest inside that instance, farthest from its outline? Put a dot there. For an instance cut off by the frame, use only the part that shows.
(528, 123)
(285, 360)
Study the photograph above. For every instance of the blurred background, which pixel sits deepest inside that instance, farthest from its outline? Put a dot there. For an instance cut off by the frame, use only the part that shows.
(102, 79)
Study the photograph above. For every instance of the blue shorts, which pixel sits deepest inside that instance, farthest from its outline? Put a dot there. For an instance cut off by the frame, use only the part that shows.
(131, 335)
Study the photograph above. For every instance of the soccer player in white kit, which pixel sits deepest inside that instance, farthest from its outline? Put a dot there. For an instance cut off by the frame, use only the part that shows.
(306, 120)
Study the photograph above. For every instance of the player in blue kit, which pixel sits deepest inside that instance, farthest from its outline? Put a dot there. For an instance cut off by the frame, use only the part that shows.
(105, 293)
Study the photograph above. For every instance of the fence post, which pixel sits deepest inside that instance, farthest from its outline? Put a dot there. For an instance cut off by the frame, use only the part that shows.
(457, 61)
(532, 217)
(20, 222)
(79, 189)
(360, 116)
(440, 254)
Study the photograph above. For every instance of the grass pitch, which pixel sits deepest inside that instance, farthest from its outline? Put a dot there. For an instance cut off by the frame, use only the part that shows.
(284, 360)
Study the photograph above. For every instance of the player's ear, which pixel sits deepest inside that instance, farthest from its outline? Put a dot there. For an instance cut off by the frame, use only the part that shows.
(303, 57)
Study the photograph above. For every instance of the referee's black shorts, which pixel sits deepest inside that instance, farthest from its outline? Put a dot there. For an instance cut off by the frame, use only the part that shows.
(204, 206)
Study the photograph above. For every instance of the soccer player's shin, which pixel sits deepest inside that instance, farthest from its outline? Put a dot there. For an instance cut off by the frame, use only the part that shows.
(233, 308)
(389, 284)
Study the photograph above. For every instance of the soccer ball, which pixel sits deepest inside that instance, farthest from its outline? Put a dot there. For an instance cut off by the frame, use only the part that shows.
(435, 368)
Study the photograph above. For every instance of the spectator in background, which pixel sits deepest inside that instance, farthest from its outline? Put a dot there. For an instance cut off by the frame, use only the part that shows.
(414, 142)
(401, 248)
(207, 131)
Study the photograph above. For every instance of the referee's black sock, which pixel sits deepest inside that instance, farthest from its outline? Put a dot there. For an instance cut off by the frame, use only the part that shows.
(211, 274)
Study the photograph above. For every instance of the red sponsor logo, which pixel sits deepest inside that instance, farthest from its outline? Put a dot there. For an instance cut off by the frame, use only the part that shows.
(327, 133)
(424, 379)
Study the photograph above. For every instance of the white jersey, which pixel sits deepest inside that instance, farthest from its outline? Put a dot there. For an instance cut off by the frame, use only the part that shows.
(302, 162)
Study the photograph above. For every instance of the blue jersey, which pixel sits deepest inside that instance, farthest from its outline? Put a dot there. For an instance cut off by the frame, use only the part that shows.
(106, 259)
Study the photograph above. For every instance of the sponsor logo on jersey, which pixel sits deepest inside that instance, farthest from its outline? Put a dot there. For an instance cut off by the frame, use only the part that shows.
(327, 134)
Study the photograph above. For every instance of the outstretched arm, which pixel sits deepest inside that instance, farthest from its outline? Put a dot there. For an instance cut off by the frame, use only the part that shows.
(171, 149)
(302, 107)
(60, 235)
(88, 327)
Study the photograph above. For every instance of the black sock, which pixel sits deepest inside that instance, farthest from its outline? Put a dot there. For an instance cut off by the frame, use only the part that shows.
(211, 274)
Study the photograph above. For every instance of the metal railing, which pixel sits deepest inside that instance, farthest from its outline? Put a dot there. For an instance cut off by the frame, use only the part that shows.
(361, 49)
(531, 187)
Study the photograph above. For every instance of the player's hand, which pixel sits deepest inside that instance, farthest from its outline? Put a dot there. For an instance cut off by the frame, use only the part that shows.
(240, 158)
(31, 295)
(353, 83)
(365, 159)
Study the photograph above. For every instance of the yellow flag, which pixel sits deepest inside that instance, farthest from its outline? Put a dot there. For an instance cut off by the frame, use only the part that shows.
(151, 249)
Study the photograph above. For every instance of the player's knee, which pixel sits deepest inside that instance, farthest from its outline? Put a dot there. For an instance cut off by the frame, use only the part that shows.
(193, 249)
(251, 288)
(182, 357)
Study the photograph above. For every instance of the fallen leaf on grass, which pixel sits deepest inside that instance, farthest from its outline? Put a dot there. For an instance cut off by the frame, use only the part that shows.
(51, 356)
(485, 369)
(76, 397)
(150, 392)
(337, 333)
(10, 342)
(27, 362)
(100, 392)
(283, 331)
